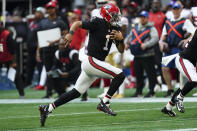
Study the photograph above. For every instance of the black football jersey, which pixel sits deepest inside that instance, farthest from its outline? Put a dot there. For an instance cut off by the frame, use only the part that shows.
(190, 52)
(98, 45)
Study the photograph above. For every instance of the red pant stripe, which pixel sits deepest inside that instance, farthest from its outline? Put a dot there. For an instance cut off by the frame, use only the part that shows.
(100, 67)
(184, 69)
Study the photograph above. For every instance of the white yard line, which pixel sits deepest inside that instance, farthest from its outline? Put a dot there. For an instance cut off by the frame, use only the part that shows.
(84, 113)
(110, 124)
(126, 100)
(186, 129)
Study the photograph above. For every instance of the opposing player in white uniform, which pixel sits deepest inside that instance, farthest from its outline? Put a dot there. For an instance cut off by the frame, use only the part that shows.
(185, 63)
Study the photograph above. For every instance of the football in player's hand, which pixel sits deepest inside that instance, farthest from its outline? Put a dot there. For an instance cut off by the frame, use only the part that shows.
(182, 44)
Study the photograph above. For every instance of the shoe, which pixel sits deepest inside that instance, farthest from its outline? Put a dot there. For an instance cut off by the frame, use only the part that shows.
(169, 112)
(119, 96)
(84, 98)
(136, 95)
(43, 113)
(179, 105)
(149, 95)
(105, 107)
(39, 87)
(169, 93)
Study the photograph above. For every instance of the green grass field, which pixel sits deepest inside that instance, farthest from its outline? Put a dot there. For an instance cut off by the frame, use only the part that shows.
(83, 116)
(30, 93)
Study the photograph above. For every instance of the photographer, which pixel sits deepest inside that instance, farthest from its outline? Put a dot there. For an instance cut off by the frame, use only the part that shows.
(66, 69)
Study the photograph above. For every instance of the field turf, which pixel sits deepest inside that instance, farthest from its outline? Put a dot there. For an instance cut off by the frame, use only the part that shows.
(83, 116)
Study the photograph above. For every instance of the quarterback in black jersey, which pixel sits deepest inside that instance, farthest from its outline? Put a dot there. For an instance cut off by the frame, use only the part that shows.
(186, 64)
(102, 32)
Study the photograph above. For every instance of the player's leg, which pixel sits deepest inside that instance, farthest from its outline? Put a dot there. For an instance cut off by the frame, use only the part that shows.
(187, 69)
(168, 109)
(102, 69)
(83, 82)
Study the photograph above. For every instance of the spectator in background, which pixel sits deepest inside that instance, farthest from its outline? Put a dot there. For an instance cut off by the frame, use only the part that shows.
(193, 16)
(32, 44)
(62, 13)
(168, 10)
(8, 57)
(175, 31)
(158, 18)
(90, 8)
(131, 11)
(66, 69)
(80, 34)
(52, 21)
(142, 40)
(185, 6)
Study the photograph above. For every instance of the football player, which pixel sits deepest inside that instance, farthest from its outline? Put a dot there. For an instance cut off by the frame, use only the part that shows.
(185, 63)
(102, 32)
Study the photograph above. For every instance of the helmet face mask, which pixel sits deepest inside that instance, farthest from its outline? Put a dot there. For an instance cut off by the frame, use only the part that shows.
(115, 20)
(110, 13)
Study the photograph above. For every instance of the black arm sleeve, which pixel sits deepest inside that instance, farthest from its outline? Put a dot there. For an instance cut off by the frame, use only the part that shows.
(77, 67)
(11, 44)
(91, 25)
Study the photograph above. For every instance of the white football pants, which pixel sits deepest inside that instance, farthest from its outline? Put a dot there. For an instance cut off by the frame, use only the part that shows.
(93, 68)
(186, 68)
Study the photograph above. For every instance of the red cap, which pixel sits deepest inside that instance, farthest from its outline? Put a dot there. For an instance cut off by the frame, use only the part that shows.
(50, 4)
(133, 4)
(78, 12)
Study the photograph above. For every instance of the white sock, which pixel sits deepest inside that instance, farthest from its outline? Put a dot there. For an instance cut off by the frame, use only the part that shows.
(169, 106)
(51, 107)
(106, 89)
(106, 98)
(180, 96)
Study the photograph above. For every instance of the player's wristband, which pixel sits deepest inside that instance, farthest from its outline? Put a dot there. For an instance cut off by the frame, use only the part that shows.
(71, 32)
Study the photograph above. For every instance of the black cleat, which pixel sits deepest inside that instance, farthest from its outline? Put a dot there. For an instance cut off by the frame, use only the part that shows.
(179, 105)
(43, 113)
(84, 99)
(169, 112)
(105, 108)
